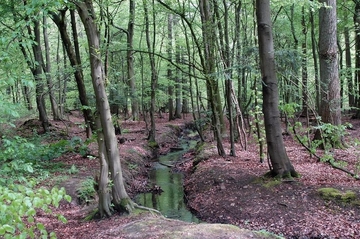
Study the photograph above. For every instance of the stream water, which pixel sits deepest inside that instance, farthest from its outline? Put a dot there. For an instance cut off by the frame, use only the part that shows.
(171, 201)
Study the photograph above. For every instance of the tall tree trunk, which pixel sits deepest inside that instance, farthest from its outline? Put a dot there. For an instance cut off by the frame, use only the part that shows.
(330, 110)
(37, 71)
(304, 73)
(348, 71)
(357, 56)
(209, 70)
(169, 68)
(73, 53)
(279, 160)
(151, 47)
(120, 198)
(47, 69)
(315, 58)
(178, 87)
(226, 61)
(130, 62)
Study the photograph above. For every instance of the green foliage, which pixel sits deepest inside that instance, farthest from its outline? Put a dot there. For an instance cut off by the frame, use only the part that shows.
(20, 157)
(290, 109)
(73, 170)
(331, 137)
(86, 192)
(18, 205)
(332, 134)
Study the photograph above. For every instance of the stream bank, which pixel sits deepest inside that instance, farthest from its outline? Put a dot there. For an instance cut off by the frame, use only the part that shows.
(166, 185)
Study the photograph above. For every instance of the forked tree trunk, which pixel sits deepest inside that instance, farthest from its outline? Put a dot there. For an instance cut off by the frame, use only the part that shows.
(209, 45)
(281, 165)
(103, 190)
(73, 53)
(120, 198)
(37, 71)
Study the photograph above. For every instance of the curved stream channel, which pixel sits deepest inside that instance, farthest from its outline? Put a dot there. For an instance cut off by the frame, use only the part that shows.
(171, 201)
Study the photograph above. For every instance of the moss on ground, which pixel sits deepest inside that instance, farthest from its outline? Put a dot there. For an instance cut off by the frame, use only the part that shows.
(337, 195)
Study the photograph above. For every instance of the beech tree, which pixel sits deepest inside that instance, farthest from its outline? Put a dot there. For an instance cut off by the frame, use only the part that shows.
(281, 165)
(120, 198)
(73, 54)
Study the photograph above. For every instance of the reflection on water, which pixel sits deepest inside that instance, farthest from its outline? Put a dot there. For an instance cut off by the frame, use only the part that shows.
(171, 201)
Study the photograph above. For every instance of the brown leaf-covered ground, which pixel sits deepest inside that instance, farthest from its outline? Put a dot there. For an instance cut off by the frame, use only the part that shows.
(225, 190)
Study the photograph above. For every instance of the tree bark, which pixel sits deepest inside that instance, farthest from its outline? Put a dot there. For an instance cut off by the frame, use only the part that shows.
(73, 53)
(120, 198)
(152, 132)
(281, 165)
(357, 56)
(169, 69)
(130, 62)
(348, 72)
(209, 70)
(47, 70)
(330, 110)
(315, 59)
(304, 71)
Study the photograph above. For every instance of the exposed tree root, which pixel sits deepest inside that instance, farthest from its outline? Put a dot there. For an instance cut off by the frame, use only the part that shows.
(151, 210)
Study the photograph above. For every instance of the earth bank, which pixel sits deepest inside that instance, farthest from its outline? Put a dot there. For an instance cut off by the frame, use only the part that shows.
(219, 190)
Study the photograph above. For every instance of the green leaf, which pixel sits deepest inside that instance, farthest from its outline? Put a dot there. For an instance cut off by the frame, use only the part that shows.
(30, 219)
(38, 202)
(52, 235)
(7, 228)
(62, 218)
(30, 212)
(67, 198)
(40, 226)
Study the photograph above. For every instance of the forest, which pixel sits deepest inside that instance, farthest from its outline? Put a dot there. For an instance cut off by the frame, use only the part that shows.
(260, 99)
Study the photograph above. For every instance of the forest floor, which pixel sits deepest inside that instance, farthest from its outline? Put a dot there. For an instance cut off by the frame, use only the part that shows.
(228, 190)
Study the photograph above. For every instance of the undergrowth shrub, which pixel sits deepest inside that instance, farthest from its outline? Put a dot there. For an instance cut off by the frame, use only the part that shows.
(22, 167)
(18, 205)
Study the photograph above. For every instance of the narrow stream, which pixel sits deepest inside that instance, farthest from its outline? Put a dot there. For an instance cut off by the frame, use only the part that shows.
(171, 201)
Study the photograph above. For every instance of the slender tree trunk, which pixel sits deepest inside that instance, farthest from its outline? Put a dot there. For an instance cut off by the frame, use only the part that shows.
(47, 69)
(73, 53)
(304, 73)
(169, 68)
(357, 56)
(209, 70)
(130, 62)
(178, 88)
(348, 72)
(315, 58)
(37, 71)
(120, 198)
(279, 160)
(152, 132)
(104, 204)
